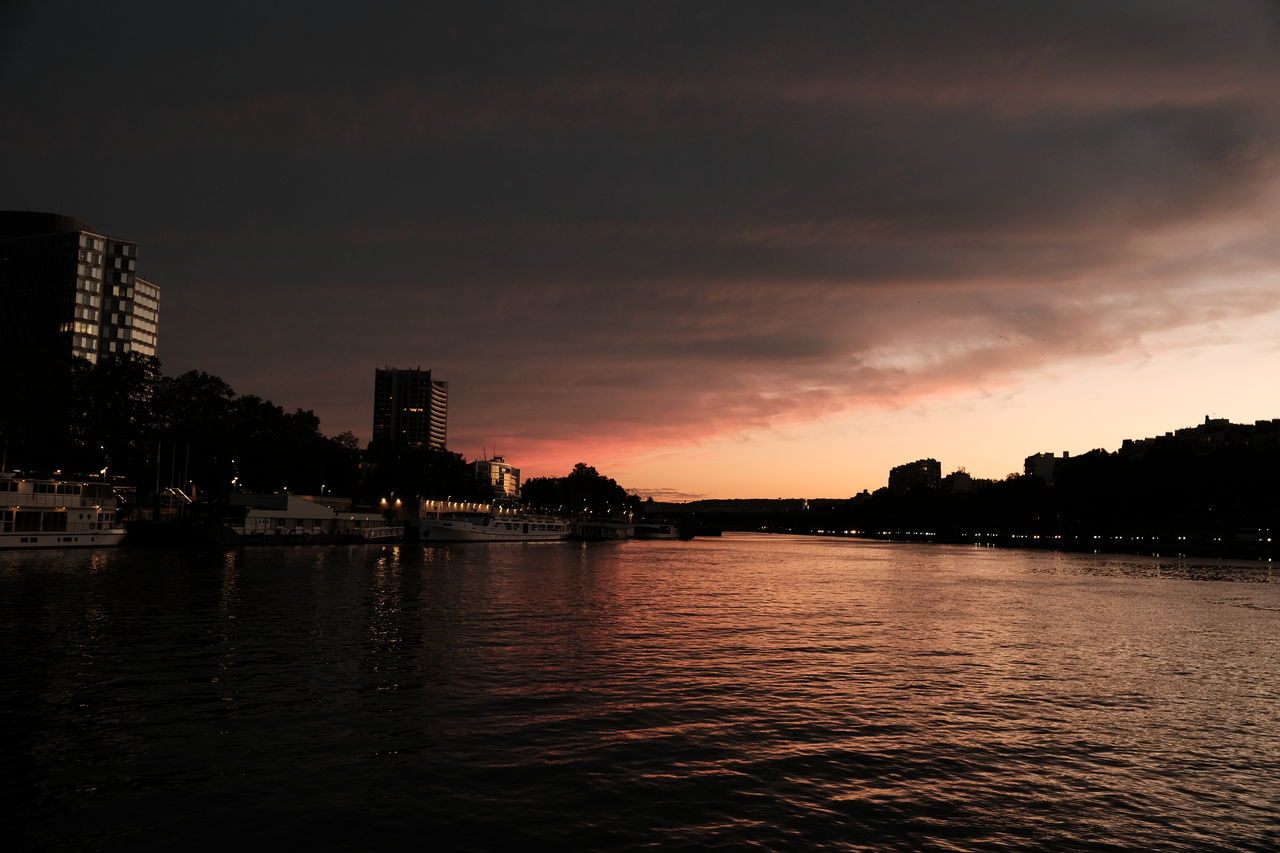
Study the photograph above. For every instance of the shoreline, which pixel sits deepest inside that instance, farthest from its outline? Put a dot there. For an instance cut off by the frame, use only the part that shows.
(1148, 546)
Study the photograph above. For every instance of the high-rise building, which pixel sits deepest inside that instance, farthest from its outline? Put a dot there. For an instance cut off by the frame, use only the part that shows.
(409, 407)
(65, 288)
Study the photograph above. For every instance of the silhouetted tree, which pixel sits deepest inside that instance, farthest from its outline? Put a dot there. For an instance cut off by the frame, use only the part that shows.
(111, 417)
(582, 490)
(420, 472)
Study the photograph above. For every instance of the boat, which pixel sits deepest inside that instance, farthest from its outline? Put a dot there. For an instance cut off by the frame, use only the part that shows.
(656, 530)
(492, 527)
(57, 514)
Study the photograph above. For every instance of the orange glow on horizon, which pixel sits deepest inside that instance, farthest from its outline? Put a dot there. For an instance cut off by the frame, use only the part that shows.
(987, 430)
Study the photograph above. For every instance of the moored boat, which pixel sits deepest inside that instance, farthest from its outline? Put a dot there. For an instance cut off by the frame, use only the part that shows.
(492, 527)
(36, 513)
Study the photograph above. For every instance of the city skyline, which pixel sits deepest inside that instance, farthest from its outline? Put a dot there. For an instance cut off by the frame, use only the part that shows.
(723, 251)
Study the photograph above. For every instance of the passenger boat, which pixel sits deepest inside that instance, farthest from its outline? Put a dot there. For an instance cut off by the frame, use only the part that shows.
(57, 514)
(492, 527)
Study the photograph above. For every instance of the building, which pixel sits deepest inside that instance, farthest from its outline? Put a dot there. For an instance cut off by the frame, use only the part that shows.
(1213, 434)
(298, 518)
(1044, 465)
(923, 472)
(65, 288)
(409, 407)
(501, 479)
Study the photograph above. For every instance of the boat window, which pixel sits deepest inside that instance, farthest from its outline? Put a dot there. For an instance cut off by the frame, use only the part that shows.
(27, 520)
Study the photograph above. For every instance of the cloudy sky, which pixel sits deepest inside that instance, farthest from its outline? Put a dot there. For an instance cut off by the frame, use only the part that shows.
(724, 249)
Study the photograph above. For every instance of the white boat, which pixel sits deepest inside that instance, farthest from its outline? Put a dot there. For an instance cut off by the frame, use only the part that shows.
(57, 514)
(492, 527)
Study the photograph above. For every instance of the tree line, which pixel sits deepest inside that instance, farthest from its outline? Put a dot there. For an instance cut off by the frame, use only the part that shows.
(124, 419)
(583, 491)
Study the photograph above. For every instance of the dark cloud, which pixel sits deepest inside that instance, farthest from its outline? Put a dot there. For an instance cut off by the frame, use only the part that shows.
(655, 222)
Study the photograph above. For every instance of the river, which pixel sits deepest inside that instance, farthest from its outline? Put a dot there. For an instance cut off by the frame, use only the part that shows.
(743, 693)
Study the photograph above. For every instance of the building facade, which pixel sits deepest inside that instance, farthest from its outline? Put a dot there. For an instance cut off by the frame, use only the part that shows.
(502, 480)
(922, 472)
(65, 288)
(410, 407)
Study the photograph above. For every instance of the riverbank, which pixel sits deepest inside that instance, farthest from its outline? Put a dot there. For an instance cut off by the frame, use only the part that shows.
(1180, 545)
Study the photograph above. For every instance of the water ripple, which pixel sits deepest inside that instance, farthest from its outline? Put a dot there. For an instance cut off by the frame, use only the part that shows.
(748, 693)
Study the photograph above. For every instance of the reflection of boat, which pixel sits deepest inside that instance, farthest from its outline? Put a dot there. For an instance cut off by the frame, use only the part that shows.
(492, 527)
(656, 530)
(57, 514)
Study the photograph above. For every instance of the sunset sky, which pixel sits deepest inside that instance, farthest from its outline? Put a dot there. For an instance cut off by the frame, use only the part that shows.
(713, 249)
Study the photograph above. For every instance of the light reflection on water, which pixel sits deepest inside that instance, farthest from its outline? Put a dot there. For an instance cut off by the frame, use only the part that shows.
(782, 693)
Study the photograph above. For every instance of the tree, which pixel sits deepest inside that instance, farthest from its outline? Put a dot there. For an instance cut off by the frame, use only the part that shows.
(584, 490)
(221, 441)
(111, 417)
(194, 424)
(420, 472)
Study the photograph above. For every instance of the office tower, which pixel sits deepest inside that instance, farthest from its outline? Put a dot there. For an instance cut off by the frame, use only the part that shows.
(409, 407)
(64, 288)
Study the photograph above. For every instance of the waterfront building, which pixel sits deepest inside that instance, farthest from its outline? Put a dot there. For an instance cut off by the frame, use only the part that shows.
(922, 472)
(409, 407)
(67, 289)
(495, 474)
(293, 518)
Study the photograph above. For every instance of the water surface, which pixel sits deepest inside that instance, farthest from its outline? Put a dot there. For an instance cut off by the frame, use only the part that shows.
(749, 692)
